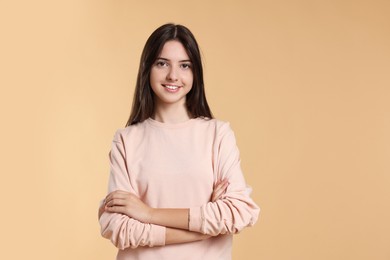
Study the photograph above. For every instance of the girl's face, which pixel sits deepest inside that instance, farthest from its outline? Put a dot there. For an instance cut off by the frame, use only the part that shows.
(171, 74)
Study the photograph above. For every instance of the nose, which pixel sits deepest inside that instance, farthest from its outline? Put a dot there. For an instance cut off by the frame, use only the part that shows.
(172, 74)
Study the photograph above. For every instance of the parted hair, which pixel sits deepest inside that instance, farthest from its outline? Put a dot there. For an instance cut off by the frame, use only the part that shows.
(143, 100)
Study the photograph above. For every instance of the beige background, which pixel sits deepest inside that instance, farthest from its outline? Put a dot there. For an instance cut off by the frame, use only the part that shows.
(305, 85)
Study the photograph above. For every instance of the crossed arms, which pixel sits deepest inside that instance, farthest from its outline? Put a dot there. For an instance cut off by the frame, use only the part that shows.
(176, 221)
(129, 222)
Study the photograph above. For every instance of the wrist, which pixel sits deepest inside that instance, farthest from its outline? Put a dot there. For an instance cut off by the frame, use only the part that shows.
(151, 214)
(167, 217)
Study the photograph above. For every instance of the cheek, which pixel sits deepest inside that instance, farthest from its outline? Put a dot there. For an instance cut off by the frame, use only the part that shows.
(190, 79)
(153, 82)
(152, 76)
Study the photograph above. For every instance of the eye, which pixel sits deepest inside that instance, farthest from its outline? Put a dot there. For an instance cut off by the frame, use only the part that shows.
(185, 65)
(161, 63)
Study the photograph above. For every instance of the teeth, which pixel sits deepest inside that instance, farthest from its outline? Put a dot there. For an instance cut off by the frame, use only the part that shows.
(172, 87)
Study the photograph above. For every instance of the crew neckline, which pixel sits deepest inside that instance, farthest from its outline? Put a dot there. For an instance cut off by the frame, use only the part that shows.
(170, 125)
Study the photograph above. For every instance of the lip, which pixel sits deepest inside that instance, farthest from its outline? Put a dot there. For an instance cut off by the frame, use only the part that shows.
(171, 90)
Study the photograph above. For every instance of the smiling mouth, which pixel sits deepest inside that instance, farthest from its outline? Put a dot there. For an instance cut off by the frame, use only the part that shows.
(171, 87)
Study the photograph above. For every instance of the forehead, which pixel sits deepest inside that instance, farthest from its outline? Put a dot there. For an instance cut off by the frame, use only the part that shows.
(174, 50)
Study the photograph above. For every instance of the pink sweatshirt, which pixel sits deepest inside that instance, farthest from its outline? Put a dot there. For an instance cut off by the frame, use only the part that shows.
(176, 166)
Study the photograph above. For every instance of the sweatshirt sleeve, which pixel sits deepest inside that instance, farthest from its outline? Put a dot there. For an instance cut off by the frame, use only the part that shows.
(122, 230)
(235, 210)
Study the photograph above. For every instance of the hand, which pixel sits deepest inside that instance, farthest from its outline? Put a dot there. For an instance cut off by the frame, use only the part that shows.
(128, 204)
(219, 189)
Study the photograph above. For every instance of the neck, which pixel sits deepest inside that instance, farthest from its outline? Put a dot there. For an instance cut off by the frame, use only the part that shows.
(171, 113)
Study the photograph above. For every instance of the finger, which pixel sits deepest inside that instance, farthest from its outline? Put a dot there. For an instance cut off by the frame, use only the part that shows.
(220, 182)
(224, 182)
(118, 194)
(109, 197)
(222, 186)
(113, 193)
(220, 191)
(116, 202)
(217, 196)
(116, 209)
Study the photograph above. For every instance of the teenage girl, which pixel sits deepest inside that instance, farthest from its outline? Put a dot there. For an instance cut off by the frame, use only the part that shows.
(176, 189)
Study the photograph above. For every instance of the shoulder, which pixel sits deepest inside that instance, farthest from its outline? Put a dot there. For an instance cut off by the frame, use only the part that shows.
(219, 127)
(224, 139)
(130, 132)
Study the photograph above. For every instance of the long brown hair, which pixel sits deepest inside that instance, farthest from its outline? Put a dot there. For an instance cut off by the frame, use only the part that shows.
(143, 101)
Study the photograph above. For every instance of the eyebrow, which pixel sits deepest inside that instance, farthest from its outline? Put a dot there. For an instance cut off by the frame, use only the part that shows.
(165, 59)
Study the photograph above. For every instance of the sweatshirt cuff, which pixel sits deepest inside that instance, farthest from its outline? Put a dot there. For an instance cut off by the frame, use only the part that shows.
(157, 235)
(195, 219)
